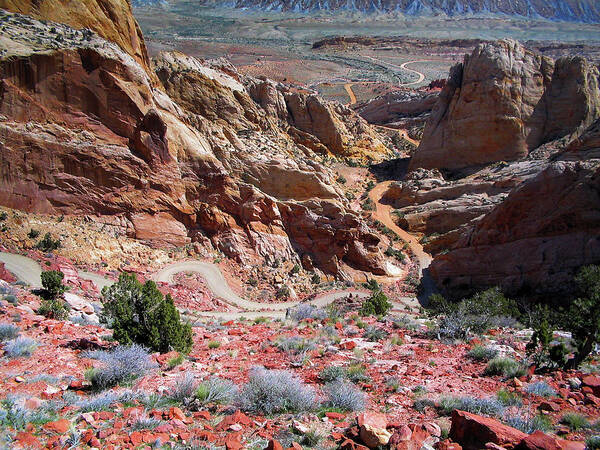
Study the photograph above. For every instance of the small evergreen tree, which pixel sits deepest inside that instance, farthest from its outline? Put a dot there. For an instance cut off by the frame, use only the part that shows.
(139, 313)
(52, 282)
(376, 305)
(583, 317)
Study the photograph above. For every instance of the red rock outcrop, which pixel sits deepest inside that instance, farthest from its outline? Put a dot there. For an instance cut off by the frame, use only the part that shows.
(504, 101)
(85, 130)
(472, 432)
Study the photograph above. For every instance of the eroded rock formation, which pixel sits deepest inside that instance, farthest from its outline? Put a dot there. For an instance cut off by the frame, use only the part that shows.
(504, 101)
(87, 129)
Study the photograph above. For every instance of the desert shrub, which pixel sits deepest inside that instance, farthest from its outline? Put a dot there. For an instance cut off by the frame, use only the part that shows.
(312, 438)
(47, 244)
(20, 347)
(419, 390)
(12, 299)
(100, 402)
(530, 424)
(14, 415)
(3, 216)
(283, 293)
(122, 364)
(473, 315)
(54, 308)
(583, 317)
(295, 344)
(506, 367)
(33, 234)
(184, 389)
(275, 391)
(368, 205)
(145, 423)
(8, 331)
(341, 179)
(357, 373)
(216, 390)
(304, 311)
(52, 282)
(295, 269)
(480, 406)
(405, 322)
(374, 334)
(540, 388)
(345, 396)
(175, 361)
(376, 305)
(575, 421)
(331, 373)
(141, 314)
(213, 344)
(508, 398)
(482, 353)
(391, 251)
(315, 278)
(541, 349)
(421, 403)
(592, 443)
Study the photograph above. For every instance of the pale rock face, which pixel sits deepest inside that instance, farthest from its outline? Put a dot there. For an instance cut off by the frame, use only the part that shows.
(504, 101)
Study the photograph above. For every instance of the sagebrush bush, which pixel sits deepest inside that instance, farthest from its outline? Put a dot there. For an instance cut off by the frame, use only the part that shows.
(331, 373)
(20, 347)
(357, 373)
(345, 396)
(139, 313)
(506, 367)
(530, 424)
(274, 392)
(508, 398)
(306, 311)
(473, 315)
(8, 331)
(14, 415)
(374, 334)
(480, 406)
(540, 388)
(295, 344)
(184, 389)
(216, 390)
(482, 353)
(122, 364)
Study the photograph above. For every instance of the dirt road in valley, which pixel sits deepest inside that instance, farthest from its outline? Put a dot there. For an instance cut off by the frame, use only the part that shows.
(348, 87)
(383, 214)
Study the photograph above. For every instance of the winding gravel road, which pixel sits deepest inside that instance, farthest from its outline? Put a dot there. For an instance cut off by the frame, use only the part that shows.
(29, 271)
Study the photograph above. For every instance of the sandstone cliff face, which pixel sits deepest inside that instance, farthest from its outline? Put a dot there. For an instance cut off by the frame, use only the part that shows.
(85, 130)
(314, 123)
(504, 101)
(535, 240)
(111, 19)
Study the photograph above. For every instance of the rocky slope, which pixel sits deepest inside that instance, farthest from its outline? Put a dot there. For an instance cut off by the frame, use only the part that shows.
(569, 10)
(504, 101)
(111, 19)
(86, 129)
(527, 224)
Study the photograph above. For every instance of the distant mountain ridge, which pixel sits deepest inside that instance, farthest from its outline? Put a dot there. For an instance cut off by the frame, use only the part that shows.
(568, 10)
